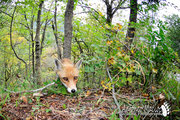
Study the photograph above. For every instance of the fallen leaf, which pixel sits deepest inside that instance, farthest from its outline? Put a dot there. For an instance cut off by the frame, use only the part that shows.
(23, 106)
(29, 118)
(37, 95)
(105, 110)
(161, 97)
(24, 99)
(87, 93)
(96, 94)
(53, 96)
(145, 94)
(153, 88)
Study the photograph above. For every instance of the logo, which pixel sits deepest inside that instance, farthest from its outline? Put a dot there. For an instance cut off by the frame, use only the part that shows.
(165, 109)
(148, 110)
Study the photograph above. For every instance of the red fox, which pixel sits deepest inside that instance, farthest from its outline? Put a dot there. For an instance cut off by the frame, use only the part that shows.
(68, 73)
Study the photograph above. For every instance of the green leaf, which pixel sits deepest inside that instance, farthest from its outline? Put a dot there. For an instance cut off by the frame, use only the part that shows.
(48, 110)
(130, 79)
(91, 69)
(138, 72)
(64, 106)
(86, 69)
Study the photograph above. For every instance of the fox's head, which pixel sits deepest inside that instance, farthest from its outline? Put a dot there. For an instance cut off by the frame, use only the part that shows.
(68, 73)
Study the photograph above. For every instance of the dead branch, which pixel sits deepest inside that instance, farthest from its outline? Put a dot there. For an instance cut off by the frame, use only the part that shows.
(30, 91)
(113, 94)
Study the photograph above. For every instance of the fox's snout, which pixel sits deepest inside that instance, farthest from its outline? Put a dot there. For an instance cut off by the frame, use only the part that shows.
(68, 73)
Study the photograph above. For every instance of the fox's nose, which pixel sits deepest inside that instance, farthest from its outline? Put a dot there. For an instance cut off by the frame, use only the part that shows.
(73, 91)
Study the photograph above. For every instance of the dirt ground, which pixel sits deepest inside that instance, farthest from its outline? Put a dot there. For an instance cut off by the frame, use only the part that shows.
(90, 105)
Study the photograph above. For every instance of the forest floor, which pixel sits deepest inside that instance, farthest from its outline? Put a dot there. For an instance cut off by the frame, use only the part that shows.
(91, 105)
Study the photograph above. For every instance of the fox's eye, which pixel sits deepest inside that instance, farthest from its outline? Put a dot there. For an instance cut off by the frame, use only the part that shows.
(65, 78)
(75, 77)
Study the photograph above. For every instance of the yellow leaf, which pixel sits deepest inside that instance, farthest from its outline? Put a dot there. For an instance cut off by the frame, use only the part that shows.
(105, 87)
(132, 31)
(122, 32)
(115, 27)
(154, 70)
(132, 51)
(107, 26)
(128, 38)
(111, 60)
(87, 93)
(100, 13)
(102, 82)
(119, 26)
(109, 42)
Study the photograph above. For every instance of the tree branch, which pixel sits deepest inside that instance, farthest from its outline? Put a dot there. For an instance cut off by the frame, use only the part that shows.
(106, 2)
(81, 50)
(11, 25)
(112, 1)
(6, 13)
(119, 6)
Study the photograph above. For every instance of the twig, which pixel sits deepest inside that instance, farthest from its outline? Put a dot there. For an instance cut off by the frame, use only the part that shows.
(113, 94)
(29, 91)
(89, 112)
(133, 98)
(62, 113)
(102, 94)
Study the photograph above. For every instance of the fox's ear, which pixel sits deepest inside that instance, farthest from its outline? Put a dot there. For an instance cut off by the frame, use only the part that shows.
(58, 64)
(78, 64)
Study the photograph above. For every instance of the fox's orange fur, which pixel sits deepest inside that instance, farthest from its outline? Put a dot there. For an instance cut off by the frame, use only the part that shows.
(68, 73)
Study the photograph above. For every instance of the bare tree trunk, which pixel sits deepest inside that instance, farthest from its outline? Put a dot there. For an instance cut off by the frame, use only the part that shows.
(54, 27)
(109, 12)
(38, 46)
(68, 29)
(32, 49)
(132, 19)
